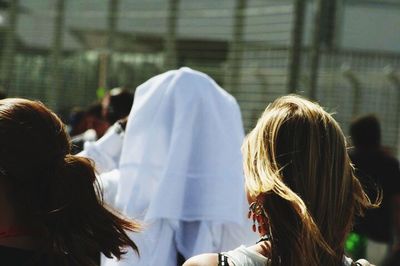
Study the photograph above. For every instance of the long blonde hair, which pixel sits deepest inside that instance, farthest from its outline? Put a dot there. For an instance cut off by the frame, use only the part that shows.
(296, 161)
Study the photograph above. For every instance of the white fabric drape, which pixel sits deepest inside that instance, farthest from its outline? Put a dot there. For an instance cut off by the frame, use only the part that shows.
(180, 169)
(106, 151)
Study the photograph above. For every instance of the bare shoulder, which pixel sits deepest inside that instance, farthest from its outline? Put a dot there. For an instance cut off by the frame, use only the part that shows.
(208, 259)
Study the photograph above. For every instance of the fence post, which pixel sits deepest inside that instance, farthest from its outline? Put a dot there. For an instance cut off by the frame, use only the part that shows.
(112, 23)
(103, 70)
(111, 34)
(8, 56)
(315, 50)
(171, 61)
(236, 47)
(395, 80)
(355, 85)
(261, 76)
(398, 118)
(295, 49)
(57, 47)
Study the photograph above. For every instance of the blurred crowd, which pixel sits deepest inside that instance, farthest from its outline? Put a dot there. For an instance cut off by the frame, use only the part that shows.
(90, 124)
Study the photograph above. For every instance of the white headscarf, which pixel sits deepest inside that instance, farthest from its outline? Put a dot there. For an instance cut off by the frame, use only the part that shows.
(181, 154)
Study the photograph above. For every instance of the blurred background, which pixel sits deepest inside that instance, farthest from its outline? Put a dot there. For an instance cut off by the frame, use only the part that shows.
(343, 53)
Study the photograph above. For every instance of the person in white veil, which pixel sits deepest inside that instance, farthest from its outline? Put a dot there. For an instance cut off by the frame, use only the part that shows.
(180, 169)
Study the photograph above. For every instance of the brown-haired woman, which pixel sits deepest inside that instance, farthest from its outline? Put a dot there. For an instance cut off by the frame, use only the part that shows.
(302, 189)
(51, 209)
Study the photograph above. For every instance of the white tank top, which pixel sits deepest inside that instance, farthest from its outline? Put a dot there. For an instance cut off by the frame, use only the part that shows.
(243, 256)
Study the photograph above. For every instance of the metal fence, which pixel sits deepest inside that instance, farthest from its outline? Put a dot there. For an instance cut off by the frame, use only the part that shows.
(354, 83)
(61, 52)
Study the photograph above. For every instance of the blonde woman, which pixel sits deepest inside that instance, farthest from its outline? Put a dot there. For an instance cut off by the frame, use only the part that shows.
(301, 187)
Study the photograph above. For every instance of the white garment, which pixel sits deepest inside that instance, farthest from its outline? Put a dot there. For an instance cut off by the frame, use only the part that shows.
(109, 184)
(106, 151)
(159, 238)
(244, 256)
(376, 251)
(181, 168)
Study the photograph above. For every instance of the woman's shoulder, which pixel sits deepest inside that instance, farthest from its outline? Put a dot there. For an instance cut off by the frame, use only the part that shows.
(254, 255)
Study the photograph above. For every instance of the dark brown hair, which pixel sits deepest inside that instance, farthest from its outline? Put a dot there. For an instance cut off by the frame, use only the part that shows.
(56, 192)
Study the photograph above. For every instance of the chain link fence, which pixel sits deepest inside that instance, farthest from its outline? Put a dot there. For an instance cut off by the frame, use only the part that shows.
(61, 52)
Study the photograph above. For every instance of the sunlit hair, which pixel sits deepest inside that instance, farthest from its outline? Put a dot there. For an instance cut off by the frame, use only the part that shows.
(53, 192)
(296, 161)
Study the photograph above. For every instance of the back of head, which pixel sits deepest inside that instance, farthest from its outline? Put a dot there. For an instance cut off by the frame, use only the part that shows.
(75, 118)
(295, 160)
(93, 119)
(52, 191)
(118, 105)
(365, 132)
